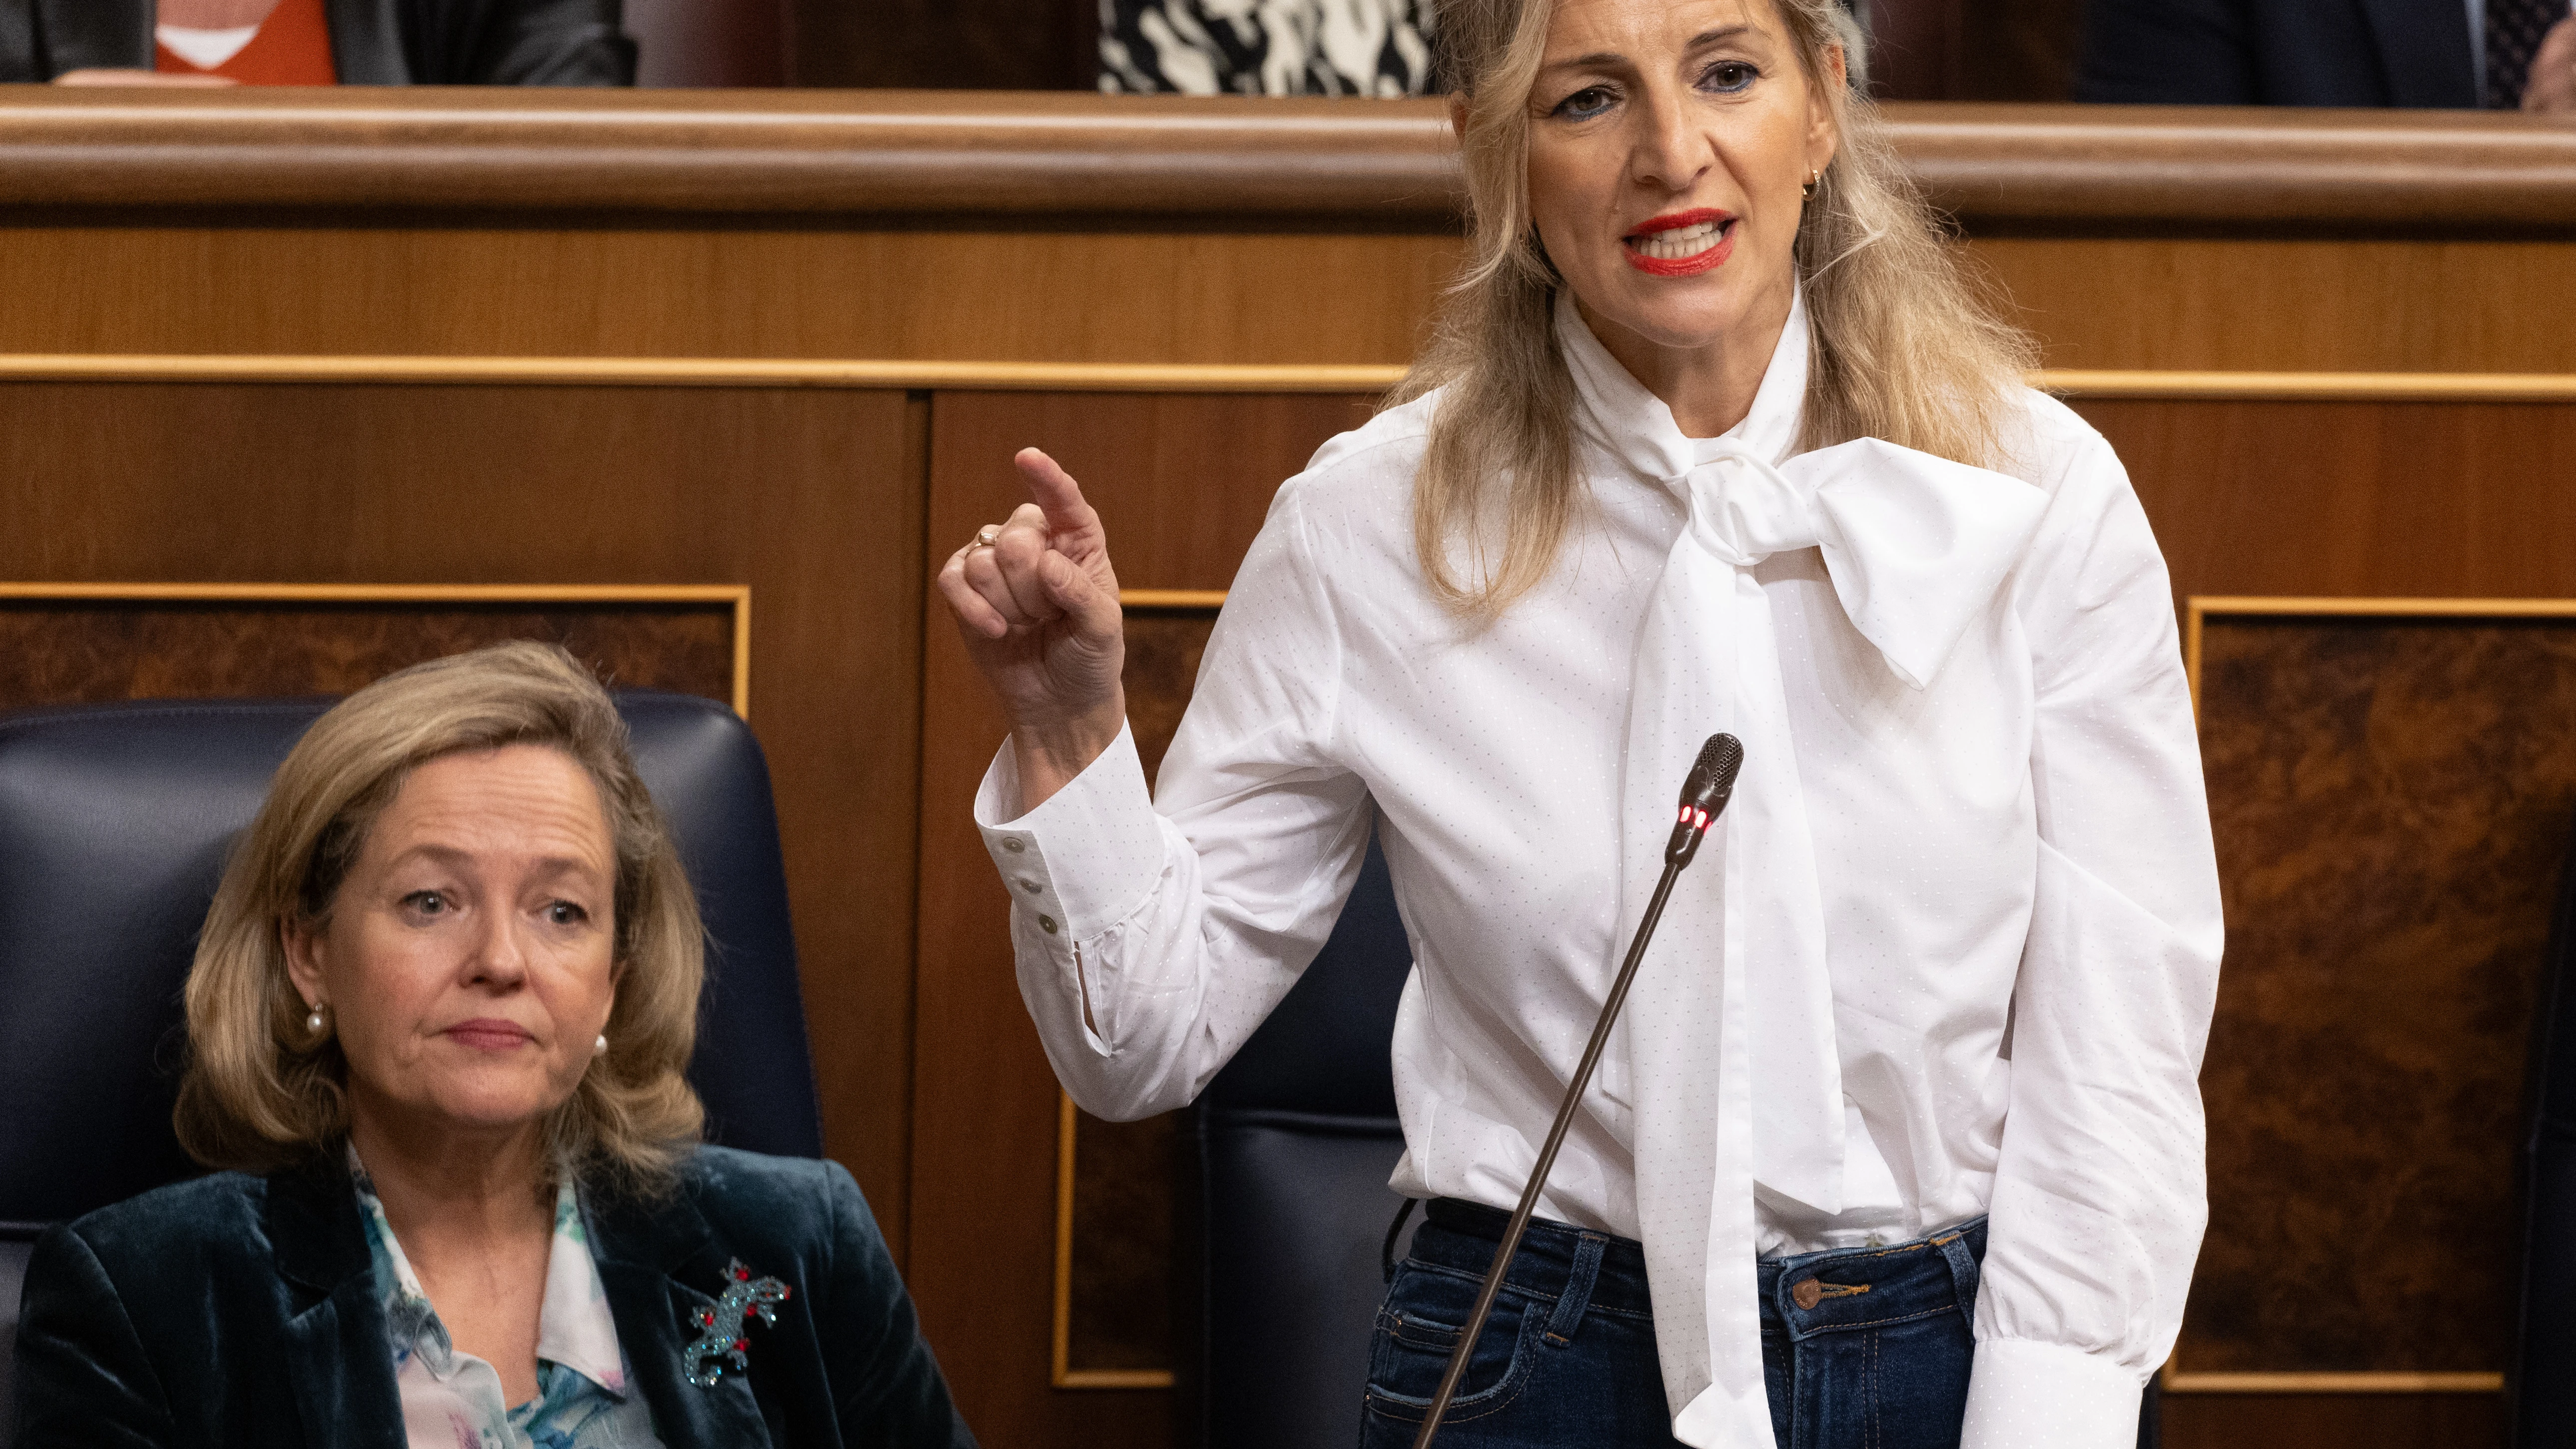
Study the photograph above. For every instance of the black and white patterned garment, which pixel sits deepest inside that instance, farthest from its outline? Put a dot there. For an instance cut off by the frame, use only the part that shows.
(1267, 47)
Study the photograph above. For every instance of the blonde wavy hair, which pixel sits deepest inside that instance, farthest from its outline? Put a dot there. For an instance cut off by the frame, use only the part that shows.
(1905, 341)
(261, 1094)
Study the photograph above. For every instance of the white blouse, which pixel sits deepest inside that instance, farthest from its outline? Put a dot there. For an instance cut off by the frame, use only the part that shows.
(2019, 907)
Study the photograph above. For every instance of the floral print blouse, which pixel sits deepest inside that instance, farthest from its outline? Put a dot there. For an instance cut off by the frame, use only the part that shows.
(451, 1400)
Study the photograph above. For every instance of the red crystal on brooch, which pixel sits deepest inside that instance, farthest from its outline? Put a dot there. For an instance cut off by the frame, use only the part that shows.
(723, 1340)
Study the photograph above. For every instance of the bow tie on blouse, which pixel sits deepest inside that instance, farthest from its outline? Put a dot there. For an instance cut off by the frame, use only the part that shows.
(1731, 1040)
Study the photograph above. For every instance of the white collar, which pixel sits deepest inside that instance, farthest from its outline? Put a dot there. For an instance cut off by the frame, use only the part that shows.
(1636, 427)
(575, 1329)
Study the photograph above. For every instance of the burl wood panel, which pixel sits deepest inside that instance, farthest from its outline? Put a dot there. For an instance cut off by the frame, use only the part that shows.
(87, 651)
(813, 499)
(1182, 483)
(1121, 1313)
(2392, 801)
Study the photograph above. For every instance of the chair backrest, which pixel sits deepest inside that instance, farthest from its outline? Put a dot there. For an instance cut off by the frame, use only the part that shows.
(114, 825)
(1293, 1143)
(2543, 1383)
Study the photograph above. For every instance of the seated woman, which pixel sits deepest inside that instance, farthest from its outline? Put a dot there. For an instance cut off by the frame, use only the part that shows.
(437, 1026)
(316, 42)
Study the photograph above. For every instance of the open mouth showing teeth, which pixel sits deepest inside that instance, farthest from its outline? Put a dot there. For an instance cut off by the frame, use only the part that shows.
(1680, 243)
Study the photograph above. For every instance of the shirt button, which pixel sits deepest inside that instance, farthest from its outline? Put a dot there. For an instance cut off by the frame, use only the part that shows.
(1014, 844)
(1047, 924)
(1032, 887)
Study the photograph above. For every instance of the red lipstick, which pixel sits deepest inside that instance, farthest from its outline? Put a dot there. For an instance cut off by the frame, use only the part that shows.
(490, 1034)
(1708, 259)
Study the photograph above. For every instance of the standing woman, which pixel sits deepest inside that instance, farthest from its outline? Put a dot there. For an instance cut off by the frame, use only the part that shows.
(1900, 1142)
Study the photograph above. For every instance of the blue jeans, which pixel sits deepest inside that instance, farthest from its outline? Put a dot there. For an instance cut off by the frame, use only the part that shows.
(1875, 1353)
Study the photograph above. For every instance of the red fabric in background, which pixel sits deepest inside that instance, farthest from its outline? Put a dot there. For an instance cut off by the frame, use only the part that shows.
(293, 48)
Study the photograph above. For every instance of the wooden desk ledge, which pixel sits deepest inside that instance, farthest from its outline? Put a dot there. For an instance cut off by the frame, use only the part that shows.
(1323, 161)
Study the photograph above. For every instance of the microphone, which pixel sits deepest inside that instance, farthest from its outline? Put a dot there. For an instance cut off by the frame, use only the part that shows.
(1705, 791)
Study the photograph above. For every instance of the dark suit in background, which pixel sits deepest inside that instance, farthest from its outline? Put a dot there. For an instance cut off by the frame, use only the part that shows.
(373, 42)
(2360, 53)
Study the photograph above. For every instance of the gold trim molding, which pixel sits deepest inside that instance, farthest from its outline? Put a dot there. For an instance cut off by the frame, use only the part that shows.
(2457, 387)
(1209, 599)
(1061, 1372)
(1151, 377)
(2197, 611)
(2174, 1382)
(737, 598)
(2199, 607)
(701, 372)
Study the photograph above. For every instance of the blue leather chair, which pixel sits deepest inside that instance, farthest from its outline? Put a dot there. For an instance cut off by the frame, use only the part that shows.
(114, 825)
(2543, 1378)
(1285, 1216)
(1287, 1223)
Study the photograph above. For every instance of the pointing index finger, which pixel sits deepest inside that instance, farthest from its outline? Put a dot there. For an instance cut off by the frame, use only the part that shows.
(1055, 492)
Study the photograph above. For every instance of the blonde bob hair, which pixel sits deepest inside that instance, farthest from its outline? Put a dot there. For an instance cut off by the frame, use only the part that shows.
(1904, 343)
(261, 1094)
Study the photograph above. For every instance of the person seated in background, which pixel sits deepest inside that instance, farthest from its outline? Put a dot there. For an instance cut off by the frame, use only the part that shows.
(1277, 48)
(316, 42)
(437, 1025)
(2459, 54)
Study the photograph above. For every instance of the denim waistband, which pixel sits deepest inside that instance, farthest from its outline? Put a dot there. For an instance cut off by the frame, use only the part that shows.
(1461, 1236)
(1812, 1293)
(1847, 1288)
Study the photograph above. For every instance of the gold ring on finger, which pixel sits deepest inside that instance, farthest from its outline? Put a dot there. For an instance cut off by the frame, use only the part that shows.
(987, 536)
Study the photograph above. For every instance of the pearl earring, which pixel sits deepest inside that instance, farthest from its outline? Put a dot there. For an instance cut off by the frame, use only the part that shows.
(599, 1048)
(313, 1023)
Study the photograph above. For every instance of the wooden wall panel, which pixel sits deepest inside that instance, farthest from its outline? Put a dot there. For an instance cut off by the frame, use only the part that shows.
(1183, 482)
(2355, 498)
(1053, 292)
(2393, 799)
(2187, 303)
(77, 650)
(810, 498)
(1032, 290)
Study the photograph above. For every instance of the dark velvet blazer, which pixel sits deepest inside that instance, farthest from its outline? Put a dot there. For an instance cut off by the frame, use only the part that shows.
(373, 42)
(242, 1311)
(2363, 53)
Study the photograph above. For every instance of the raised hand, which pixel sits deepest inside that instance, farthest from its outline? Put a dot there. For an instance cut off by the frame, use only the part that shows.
(1037, 603)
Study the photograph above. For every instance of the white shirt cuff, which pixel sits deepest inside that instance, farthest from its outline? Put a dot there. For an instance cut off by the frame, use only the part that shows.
(2025, 1394)
(1087, 858)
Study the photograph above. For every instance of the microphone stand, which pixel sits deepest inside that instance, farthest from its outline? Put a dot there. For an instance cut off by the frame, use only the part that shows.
(1704, 795)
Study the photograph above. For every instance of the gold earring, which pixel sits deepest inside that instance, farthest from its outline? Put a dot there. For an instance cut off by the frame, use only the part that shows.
(1809, 189)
